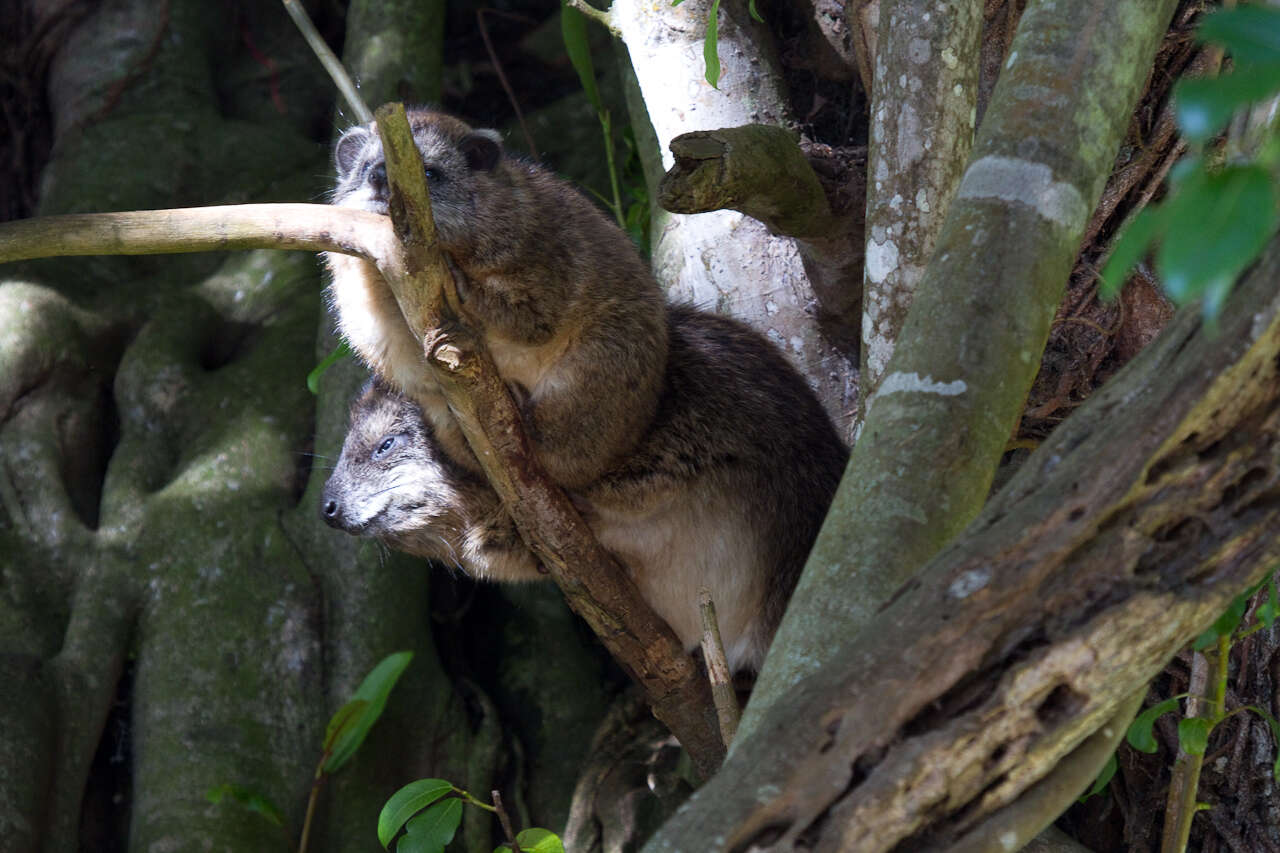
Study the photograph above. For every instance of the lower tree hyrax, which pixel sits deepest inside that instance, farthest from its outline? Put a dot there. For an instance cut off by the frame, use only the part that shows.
(725, 490)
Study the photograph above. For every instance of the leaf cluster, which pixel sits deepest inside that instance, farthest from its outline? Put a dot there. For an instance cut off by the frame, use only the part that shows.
(1219, 215)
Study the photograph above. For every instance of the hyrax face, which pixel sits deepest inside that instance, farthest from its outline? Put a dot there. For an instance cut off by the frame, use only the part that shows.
(393, 482)
(453, 154)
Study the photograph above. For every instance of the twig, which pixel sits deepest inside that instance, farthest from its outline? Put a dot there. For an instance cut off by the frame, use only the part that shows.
(504, 820)
(727, 711)
(600, 16)
(506, 85)
(331, 63)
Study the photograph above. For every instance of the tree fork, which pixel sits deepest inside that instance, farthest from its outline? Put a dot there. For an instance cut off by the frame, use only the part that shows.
(1121, 539)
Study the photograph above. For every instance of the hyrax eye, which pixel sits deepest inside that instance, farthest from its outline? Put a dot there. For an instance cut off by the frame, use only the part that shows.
(387, 443)
(434, 175)
(377, 176)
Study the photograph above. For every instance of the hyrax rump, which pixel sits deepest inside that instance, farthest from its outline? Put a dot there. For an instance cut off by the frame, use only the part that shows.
(573, 318)
(726, 489)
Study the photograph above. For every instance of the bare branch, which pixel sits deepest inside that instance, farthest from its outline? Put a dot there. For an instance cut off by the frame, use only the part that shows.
(727, 710)
(331, 63)
(305, 227)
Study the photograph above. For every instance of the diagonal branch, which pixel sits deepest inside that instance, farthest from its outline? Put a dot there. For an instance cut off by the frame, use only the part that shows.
(1119, 541)
(595, 585)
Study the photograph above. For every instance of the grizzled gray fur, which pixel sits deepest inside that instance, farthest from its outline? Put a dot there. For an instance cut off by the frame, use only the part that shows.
(726, 488)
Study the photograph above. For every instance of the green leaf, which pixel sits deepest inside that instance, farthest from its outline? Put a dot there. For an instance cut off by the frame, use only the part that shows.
(1193, 734)
(755, 13)
(711, 47)
(1100, 784)
(437, 824)
(535, 840)
(1130, 246)
(374, 690)
(1140, 734)
(313, 378)
(1204, 105)
(342, 720)
(406, 803)
(1217, 226)
(1250, 33)
(1226, 624)
(573, 27)
(250, 799)
(417, 844)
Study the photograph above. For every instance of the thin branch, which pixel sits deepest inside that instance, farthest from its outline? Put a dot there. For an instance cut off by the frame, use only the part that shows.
(304, 227)
(600, 16)
(331, 63)
(595, 585)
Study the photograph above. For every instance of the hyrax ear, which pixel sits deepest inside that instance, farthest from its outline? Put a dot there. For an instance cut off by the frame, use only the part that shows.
(346, 154)
(482, 148)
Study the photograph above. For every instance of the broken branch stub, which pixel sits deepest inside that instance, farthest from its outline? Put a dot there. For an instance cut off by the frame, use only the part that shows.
(594, 583)
(759, 170)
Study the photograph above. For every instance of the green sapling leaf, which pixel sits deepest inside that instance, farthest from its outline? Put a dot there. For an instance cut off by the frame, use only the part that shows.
(313, 378)
(1204, 105)
(1140, 734)
(406, 803)
(1217, 226)
(536, 840)
(711, 46)
(437, 824)
(1130, 246)
(373, 690)
(1193, 734)
(573, 27)
(1250, 33)
(249, 798)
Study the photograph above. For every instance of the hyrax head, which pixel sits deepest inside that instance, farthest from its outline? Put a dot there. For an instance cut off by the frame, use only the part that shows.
(393, 482)
(391, 477)
(453, 155)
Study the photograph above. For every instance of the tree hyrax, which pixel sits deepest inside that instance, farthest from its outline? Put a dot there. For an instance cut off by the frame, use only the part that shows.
(569, 311)
(726, 489)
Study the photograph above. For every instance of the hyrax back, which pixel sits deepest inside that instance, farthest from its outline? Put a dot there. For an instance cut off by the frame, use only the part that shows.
(569, 311)
(726, 489)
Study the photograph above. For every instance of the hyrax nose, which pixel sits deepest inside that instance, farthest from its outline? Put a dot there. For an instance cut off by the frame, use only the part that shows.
(332, 513)
(378, 178)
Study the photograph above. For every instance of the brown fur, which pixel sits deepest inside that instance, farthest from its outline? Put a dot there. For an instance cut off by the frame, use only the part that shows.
(572, 316)
(726, 489)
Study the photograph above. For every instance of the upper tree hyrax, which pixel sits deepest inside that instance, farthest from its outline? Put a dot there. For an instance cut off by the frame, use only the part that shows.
(725, 490)
(569, 311)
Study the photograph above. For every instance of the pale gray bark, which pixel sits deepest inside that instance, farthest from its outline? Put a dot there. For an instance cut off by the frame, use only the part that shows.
(724, 261)
(971, 345)
(922, 119)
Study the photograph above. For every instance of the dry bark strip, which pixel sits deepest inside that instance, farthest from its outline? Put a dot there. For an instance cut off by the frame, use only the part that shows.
(593, 582)
(1120, 540)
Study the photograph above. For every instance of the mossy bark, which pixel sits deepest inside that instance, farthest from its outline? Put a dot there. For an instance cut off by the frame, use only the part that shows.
(971, 345)
(160, 550)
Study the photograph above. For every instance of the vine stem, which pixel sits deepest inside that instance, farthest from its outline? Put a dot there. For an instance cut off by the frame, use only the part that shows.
(316, 782)
(1182, 805)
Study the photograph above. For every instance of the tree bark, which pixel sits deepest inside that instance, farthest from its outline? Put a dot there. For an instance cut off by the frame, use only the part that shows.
(971, 345)
(922, 121)
(1121, 539)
